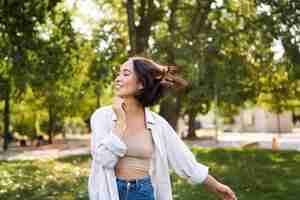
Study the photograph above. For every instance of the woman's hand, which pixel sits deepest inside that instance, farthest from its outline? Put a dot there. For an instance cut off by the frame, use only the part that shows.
(119, 107)
(224, 192)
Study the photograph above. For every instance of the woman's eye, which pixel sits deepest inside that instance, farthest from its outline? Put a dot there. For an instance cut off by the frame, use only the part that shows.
(120, 73)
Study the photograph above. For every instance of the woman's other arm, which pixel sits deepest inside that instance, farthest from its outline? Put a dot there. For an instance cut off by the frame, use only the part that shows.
(106, 145)
(221, 190)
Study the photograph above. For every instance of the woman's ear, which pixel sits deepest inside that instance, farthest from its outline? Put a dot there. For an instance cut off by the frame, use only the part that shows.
(140, 87)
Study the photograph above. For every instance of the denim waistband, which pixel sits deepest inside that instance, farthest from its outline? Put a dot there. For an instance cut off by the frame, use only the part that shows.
(145, 179)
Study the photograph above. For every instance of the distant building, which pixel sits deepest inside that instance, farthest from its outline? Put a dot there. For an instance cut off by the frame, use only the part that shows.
(258, 119)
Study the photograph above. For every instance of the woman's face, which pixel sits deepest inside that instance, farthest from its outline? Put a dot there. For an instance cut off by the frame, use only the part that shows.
(126, 82)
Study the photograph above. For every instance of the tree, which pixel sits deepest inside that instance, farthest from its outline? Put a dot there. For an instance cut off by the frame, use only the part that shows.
(106, 59)
(19, 41)
(281, 20)
(141, 16)
(212, 43)
(55, 70)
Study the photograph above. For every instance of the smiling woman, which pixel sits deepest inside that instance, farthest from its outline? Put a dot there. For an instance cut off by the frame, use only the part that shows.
(146, 80)
(133, 148)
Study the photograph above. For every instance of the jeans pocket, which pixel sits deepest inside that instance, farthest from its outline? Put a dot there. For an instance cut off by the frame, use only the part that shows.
(146, 191)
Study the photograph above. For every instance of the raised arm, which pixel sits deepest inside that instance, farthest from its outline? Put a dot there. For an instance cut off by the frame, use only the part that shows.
(106, 145)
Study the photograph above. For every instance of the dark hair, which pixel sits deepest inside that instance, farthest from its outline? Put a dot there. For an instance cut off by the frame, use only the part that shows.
(156, 79)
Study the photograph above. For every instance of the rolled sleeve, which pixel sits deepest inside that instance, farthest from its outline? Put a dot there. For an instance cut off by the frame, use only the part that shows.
(114, 144)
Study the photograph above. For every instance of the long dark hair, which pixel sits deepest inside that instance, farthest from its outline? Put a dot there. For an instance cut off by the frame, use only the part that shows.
(156, 78)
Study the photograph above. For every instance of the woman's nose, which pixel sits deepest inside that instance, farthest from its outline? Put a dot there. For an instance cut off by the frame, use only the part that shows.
(117, 79)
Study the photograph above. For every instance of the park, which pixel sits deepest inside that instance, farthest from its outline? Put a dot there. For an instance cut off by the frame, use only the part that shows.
(239, 113)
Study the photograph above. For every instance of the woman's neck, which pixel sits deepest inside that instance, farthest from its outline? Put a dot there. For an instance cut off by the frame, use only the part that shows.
(133, 107)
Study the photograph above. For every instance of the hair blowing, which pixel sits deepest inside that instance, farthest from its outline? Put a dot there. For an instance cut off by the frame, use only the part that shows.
(156, 79)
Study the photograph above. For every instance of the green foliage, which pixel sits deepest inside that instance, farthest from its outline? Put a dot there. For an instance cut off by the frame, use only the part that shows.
(252, 174)
(19, 42)
(26, 126)
(19, 37)
(57, 179)
(223, 49)
(277, 90)
(75, 125)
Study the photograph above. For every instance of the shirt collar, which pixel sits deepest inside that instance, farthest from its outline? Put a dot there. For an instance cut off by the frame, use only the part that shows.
(149, 116)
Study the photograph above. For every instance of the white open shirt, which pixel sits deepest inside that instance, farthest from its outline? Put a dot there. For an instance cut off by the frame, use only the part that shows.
(170, 152)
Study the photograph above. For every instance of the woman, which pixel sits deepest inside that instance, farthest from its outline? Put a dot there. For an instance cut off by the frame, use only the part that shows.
(133, 148)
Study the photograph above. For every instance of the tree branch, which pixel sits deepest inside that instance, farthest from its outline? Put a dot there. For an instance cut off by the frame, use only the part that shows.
(131, 25)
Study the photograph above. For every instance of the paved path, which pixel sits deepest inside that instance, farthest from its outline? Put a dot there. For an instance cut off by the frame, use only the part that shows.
(81, 146)
(60, 148)
(43, 154)
(285, 141)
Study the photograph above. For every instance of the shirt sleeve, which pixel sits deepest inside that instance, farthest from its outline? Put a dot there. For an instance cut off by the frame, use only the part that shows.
(106, 146)
(181, 158)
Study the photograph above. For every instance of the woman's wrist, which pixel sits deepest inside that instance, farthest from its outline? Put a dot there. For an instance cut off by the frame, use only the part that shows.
(221, 190)
(121, 123)
(120, 126)
(211, 183)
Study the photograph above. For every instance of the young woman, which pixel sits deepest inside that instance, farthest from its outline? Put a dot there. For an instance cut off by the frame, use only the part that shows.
(133, 148)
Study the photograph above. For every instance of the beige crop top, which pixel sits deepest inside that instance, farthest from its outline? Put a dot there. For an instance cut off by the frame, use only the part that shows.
(135, 164)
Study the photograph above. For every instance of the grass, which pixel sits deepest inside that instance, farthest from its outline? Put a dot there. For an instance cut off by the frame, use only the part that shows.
(252, 174)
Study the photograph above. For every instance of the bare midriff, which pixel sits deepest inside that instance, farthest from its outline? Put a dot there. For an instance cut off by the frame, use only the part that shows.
(136, 162)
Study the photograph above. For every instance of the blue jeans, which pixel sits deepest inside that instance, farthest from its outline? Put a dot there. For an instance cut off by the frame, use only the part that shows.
(137, 189)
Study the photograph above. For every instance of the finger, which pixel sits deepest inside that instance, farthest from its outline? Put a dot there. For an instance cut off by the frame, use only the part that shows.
(123, 106)
(235, 198)
(229, 195)
(232, 196)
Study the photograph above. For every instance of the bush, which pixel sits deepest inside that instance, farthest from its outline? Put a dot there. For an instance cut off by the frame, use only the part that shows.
(26, 127)
(75, 125)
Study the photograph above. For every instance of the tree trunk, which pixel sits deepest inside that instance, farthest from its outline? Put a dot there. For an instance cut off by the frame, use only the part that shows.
(177, 111)
(98, 101)
(131, 26)
(98, 95)
(139, 34)
(6, 114)
(191, 127)
(216, 112)
(51, 125)
(170, 109)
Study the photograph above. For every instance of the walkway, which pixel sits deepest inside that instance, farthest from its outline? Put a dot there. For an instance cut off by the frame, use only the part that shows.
(78, 146)
(264, 140)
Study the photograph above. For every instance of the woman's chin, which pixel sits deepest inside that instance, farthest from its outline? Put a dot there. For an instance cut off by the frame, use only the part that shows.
(119, 94)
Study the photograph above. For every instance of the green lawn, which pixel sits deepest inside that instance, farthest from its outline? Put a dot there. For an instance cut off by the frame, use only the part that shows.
(253, 174)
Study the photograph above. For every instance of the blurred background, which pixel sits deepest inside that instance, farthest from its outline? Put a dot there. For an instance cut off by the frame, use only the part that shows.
(58, 59)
